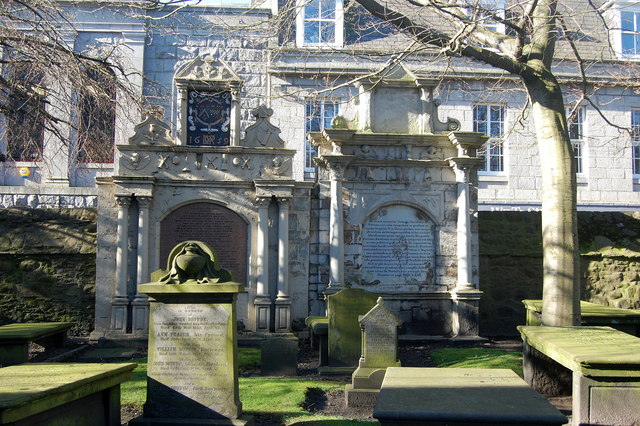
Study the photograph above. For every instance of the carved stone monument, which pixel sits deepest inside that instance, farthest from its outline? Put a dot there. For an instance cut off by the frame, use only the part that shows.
(343, 310)
(379, 351)
(192, 374)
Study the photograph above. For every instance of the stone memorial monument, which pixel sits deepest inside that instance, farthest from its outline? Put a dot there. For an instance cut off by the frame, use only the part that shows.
(192, 375)
(379, 351)
(344, 335)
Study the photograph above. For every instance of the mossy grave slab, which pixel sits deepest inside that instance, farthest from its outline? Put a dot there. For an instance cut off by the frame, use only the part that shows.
(29, 389)
(31, 331)
(424, 396)
(594, 351)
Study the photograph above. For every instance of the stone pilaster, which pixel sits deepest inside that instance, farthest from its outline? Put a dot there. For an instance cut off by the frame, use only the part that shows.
(235, 117)
(119, 305)
(262, 301)
(337, 165)
(140, 303)
(466, 298)
(283, 301)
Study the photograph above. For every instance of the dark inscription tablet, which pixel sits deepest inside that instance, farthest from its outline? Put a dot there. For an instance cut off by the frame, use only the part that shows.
(224, 230)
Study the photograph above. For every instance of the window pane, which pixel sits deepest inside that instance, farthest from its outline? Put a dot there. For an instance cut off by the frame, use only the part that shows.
(628, 43)
(627, 23)
(311, 32)
(25, 122)
(577, 153)
(328, 9)
(480, 113)
(636, 158)
(96, 132)
(328, 32)
(496, 129)
(312, 10)
(496, 113)
(495, 160)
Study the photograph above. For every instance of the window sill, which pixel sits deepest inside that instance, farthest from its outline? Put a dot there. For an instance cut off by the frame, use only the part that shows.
(11, 163)
(94, 165)
(320, 47)
(493, 178)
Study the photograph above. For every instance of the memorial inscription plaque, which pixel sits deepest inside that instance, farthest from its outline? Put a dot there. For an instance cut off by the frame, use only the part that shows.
(221, 228)
(398, 247)
(379, 337)
(189, 362)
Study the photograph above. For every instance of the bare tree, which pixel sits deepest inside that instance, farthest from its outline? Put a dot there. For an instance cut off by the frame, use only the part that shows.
(46, 86)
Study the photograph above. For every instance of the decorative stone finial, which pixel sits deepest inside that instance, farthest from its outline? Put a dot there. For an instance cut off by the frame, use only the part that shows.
(192, 261)
(339, 122)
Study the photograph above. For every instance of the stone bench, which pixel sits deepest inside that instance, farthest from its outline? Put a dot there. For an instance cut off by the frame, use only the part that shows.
(457, 396)
(15, 339)
(600, 365)
(319, 336)
(62, 394)
(592, 314)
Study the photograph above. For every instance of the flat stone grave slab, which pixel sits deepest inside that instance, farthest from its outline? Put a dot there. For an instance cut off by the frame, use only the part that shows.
(593, 351)
(15, 338)
(438, 396)
(592, 314)
(62, 394)
(601, 367)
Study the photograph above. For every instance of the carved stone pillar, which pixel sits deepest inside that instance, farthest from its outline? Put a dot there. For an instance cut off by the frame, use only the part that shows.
(235, 116)
(464, 226)
(466, 297)
(283, 301)
(337, 165)
(120, 303)
(262, 301)
(140, 304)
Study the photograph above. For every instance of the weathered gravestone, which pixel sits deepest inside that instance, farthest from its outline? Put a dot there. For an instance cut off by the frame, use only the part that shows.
(379, 351)
(344, 337)
(279, 356)
(192, 374)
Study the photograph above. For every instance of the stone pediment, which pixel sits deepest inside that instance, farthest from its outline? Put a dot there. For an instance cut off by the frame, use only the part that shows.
(262, 133)
(208, 71)
(396, 74)
(152, 131)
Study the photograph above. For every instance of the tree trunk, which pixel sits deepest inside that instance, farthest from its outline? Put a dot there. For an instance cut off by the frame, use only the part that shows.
(561, 284)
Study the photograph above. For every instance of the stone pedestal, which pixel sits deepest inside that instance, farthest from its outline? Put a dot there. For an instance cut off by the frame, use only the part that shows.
(193, 369)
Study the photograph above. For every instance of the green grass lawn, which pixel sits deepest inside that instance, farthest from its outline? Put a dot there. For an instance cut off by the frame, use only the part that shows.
(477, 358)
(281, 398)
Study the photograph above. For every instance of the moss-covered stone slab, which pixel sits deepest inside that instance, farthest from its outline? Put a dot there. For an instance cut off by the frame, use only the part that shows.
(343, 310)
(15, 338)
(592, 351)
(429, 396)
(31, 331)
(29, 390)
(592, 312)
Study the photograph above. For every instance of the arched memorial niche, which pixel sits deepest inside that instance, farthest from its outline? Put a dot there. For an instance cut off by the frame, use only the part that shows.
(221, 228)
(398, 247)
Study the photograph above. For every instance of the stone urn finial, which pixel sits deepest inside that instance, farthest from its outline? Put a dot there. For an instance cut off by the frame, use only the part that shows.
(192, 261)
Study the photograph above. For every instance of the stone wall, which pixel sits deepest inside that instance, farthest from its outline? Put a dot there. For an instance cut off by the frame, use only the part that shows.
(511, 264)
(47, 266)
